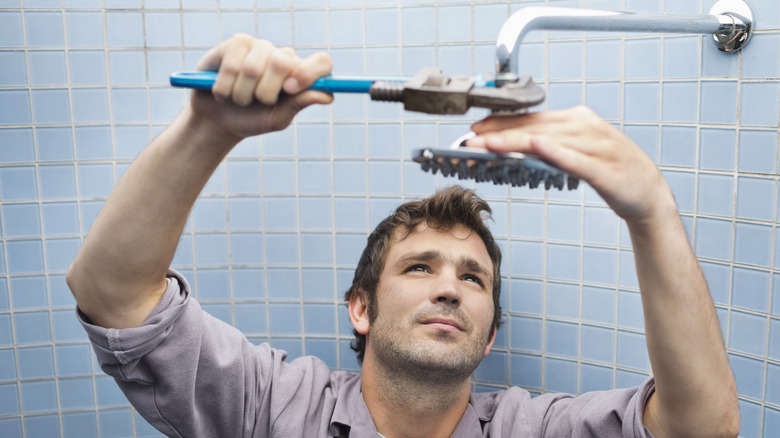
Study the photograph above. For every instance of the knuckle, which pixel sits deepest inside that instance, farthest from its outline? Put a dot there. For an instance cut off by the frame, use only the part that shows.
(281, 61)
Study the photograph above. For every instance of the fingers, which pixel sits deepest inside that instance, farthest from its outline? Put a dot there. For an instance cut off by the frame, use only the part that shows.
(252, 70)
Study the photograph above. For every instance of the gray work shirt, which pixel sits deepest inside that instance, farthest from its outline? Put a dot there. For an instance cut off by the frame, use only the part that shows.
(191, 375)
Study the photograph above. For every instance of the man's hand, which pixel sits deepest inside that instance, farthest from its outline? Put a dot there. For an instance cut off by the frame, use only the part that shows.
(581, 143)
(259, 87)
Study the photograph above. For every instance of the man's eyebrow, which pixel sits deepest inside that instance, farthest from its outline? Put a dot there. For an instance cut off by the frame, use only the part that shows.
(424, 256)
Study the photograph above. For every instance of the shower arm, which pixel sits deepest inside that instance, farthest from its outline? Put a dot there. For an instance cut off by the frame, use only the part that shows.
(730, 22)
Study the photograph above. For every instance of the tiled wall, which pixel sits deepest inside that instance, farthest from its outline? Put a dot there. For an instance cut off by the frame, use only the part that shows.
(272, 242)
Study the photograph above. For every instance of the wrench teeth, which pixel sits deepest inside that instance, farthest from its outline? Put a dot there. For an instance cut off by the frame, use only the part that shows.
(513, 169)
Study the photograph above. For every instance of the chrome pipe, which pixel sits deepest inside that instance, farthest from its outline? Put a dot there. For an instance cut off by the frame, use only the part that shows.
(730, 22)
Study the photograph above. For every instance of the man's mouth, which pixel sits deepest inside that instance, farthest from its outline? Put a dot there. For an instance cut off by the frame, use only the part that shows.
(443, 324)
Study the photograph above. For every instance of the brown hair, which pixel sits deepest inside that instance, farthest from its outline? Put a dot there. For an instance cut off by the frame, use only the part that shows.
(443, 210)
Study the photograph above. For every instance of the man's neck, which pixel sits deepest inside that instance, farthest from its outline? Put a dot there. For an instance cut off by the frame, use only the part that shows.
(404, 407)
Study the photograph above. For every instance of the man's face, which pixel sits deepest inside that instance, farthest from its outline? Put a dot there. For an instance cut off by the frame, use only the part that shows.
(435, 304)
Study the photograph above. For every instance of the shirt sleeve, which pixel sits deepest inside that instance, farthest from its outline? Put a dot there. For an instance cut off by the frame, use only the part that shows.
(190, 374)
(604, 414)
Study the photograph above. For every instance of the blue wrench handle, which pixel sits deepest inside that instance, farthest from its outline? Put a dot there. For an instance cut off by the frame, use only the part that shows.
(203, 80)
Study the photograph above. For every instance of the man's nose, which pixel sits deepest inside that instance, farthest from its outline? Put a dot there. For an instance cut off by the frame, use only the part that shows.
(446, 290)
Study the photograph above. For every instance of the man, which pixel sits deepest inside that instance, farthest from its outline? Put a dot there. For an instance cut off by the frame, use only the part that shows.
(423, 303)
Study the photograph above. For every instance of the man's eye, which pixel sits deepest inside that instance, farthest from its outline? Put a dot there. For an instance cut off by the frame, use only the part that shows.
(417, 268)
(473, 278)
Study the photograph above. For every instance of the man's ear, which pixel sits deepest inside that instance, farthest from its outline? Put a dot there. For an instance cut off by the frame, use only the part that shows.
(358, 311)
(490, 344)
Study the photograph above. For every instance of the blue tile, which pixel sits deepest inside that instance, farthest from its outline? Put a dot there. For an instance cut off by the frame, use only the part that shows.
(89, 211)
(641, 102)
(526, 296)
(383, 141)
(47, 67)
(17, 145)
(277, 27)
(209, 214)
(248, 283)
(6, 337)
(774, 337)
(51, 106)
(73, 360)
(243, 177)
(772, 383)
(44, 29)
(595, 378)
(349, 247)
(319, 319)
(25, 256)
(526, 371)
(563, 300)
(85, 29)
(293, 346)
(5, 303)
(129, 105)
(314, 177)
(716, 150)
(42, 425)
(749, 374)
(604, 59)
(36, 362)
(39, 396)
(632, 351)
(526, 259)
(600, 226)
(561, 338)
(95, 180)
(108, 393)
(246, 248)
(604, 98)
(323, 349)
(251, 317)
(285, 318)
(29, 292)
(32, 327)
(310, 27)
(755, 197)
(7, 364)
(12, 426)
(77, 393)
(761, 59)
(313, 140)
(316, 248)
(560, 376)
(127, 67)
(643, 58)
(753, 110)
(21, 220)
(318, 284)
(753, 244)
(59, 293)
(713, 238)
(130, 140)
(277, 176)
(315, 213)
(115, 424)
(563, 262)
(565, 60)
(282, 249)
(771, 422)
(216, 184)
(90, 105)
(232, 23)
(213, 284)
(66, 327)
(458, 19)
(200, 28)
(349, 140)
(492, 368)
(11, 24)
(160, 64)
(598, 344)
(757, 151)
(750, 418)
(598, 305)
(124, 29)
(682, 185)
(384, 178)
(527, 220)
(630, 310)
(680, 102)
(183, 254)
(747, 333)
(525, 333)
(599, 265)
(716, 194)
(718, 102)
(280, 213)
(681, 57)
(9, 399)
(211, 249)
(283, 283)
(487, 19)
(163, 29)
(750, 289)
(563, 222)
(15, 107)
(382, 25)
(716, 64)
(718, 280)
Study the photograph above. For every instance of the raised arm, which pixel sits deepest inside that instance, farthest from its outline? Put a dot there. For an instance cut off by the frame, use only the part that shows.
(119, 274)
(695, 394)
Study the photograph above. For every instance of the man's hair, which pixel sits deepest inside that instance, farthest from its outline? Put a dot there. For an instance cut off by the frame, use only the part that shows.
(444, 210)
